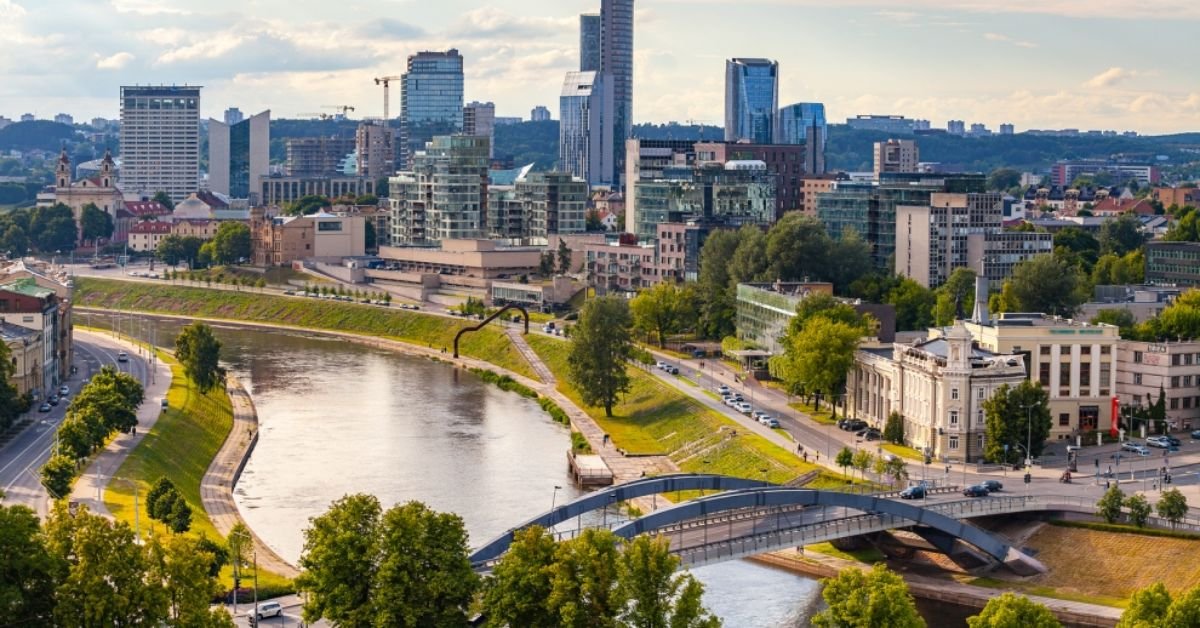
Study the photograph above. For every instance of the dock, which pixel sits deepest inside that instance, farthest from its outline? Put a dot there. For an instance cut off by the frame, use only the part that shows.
(588, 470)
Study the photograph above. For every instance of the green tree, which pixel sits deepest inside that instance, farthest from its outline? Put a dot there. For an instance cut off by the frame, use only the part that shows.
(844, 458)
(585, 589)
(57, 475)
(1172, 506)
(564, 257)
(875, 599)
(1109, 506)
(1139, 510)
(663, 310)
(162, 486)
(853, 260)
(1016, 416)
(183, 565)
(199, 352)
(170, 250)
(546, 264)
(164, 199)
(11, 403)
(1044, 284)
(15, 242)
(861, 461)
(716, 294)
(600, 348)
(307, 204)
(1117, 317)
(893, 430)
(1013, 611)
(1121, 235)
(180, 520)
(339, 563)
(798, 247)
(1181, 319)
(959, 291)
(592, 221)
(896, 469)
(1003, 179)
(424, 577)
(914, 305)
(658, 596)
(1147, 608)
(1077, 247)
(749, 261)
(817, 357)
(1116, 270)
(95, 223)
(27, 579)
(1184, 612)
(518, 593)
(231, 243)
(53, 228)
(370, 238)
(74, 438)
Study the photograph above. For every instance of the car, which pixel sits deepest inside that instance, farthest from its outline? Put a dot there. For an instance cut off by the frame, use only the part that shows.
(759, 415)
(1196, 434)
(45, 407)
(723, 389)
(870, 434)
(992, 485)
(854, 425)
(53, 400)
(976, 490)
(916, 491)
(674, 370)
(770, 422)
(731, 402)
(744, 407)
(122, 357)
(1135, 447)
(290, 293)
(267, 609)
(64, 390)
(1175, 442)
(1160, 442)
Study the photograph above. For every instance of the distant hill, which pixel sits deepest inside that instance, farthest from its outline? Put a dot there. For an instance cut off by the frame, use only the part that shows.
(35, 135)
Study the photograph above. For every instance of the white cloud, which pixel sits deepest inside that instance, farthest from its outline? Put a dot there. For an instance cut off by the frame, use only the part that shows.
(1009, 40)
(1110, 77)
(1122, 9)
(148, 7)
(10, 10)
(114, 62)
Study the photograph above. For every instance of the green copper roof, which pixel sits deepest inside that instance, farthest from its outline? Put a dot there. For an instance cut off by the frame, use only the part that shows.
(27, 286)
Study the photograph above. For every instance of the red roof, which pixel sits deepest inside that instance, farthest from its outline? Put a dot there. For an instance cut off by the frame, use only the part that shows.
(145, 208)
(151, 227)
(1112, 205)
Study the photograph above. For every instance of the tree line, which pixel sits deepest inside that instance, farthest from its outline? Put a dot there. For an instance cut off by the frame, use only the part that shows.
(231, 244)
(51, 229)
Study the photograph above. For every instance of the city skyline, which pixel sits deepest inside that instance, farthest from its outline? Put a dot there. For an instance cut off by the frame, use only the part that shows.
(1038, 65)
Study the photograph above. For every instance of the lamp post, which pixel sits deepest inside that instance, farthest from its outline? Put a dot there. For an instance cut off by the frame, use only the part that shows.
(554, 496)
(236, 571)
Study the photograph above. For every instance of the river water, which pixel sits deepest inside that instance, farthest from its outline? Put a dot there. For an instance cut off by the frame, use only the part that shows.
(339, 418)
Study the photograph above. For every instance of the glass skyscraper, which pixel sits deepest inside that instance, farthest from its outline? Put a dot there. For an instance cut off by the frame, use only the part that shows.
(799, 121)
(616, 62)
(239, 155)
(585, 131)
(431, 100)
(751, 100)
(589, 43)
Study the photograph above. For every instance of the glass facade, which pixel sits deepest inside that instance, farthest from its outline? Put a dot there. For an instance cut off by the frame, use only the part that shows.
(584, 131)
(1173, 263)
(797, 122)
(431, 100)
(751, 100)
(239, 160)
(713, 195)
(589, 43)
(444, 196)
(616, 61)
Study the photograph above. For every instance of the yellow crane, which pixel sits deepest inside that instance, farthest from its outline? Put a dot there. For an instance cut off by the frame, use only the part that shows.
(384, 81)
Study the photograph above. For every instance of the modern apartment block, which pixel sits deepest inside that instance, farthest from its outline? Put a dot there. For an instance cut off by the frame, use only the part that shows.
(160, 140)
(374, 150)
(616, 64)
(539, 114)
(751, 100)
(1065, 172)
(1146, 369)
(279, 190)
(896, 156)
(479, 119)
(239, 156)
(555, 203)
(804, 123)
(733, 194)
(431, 100)
(585, 131)
(589, 42)
(1173, 263)
(317, 156)
(786, 162)
(444, 195)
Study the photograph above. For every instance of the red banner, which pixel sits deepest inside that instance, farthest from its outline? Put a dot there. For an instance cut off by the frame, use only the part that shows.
(1116, 417)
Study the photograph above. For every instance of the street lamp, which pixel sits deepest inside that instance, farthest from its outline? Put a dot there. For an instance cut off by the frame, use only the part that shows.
(236, 571)
(1028, 435)
(554, 496)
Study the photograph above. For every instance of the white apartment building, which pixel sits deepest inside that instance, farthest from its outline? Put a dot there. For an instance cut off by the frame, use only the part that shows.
(160, 140)
(1145, 368)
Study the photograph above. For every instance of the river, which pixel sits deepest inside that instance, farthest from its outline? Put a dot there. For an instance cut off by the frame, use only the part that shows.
(339, 418)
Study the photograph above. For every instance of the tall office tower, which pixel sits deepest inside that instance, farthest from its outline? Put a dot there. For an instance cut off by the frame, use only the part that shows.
(896, 156)
(479, 119)
(539, 114)
(233, 115)
(239, 155)
(160, 139)
(431, 100)
(375, 150)
(804, 123)
(589, 42)
(751, 100)
(616, 61)
(585, 130)
(956, 127)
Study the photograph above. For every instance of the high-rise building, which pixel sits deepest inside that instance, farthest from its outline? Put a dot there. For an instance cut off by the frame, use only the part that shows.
(751, 100)
(899, 125)
(589, 42)
(316, 156)
(1006, 129)
(160, 140)
(64, 118)
(431, 100)
(553, 203)
(784, 162)
(233, 115)
(896, 156)
(444, 195)
(732, 194)
(239, 155)
(585, 132)
(375, 151)
(616, 63)
(479, 119)
(539, 114)
(804, 123)
(956, 127)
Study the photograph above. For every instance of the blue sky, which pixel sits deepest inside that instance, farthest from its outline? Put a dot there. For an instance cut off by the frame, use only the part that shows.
(1091, 64)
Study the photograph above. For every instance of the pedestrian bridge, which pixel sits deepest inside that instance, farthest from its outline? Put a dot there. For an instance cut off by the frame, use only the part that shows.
(750, 517)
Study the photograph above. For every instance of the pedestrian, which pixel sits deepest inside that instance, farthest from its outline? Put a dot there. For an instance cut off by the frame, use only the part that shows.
(806, 456)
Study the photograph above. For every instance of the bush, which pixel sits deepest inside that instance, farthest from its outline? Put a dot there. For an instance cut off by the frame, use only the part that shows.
(642, 356)
(893, 431)
(505, 383)
(555, 412)
(579, 444)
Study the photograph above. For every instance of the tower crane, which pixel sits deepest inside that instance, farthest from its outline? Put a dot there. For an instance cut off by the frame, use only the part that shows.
(342, 108)
(384, 81)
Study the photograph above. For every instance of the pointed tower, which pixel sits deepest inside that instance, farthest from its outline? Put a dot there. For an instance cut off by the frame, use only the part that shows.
(981, 315)
(106, 170)
(62, 172)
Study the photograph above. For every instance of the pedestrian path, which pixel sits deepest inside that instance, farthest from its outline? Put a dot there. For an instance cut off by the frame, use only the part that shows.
(543, 372)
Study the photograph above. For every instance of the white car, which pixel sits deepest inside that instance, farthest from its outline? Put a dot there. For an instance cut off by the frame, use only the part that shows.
(731, 402)
(769, 422)
(723, 389)
(744, 408)
(759, 415)
(267, 609)
(1162, 442)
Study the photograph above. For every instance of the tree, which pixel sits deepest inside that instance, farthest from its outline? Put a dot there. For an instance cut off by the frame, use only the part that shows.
(914, 305)
(799, 247)
(663, 310)
(1172, 506)
(1139, 510)
(164, 199)
(424, 577)
(1044, 284)
(1147, 608)
(11, 403)
(1184, 612)
(199, 352)
(844, 458)
(818, 357)
(749, 261)
(15, 241)
(1016, 416)
(1112, 269)
(95, 223)
(1121, 235)
(586, 590)
(600, 348)
(1109, 506)
(861, 461)
(307, 204)
(518, 592)
(1003, 179)
(657, 596)
(959, 292)
(370, 238)
(339, 562)
(57, 475)
(1013, 611)
(564, 257)
(716, 294)
(592, 221)
(162, 487)
(893, 430)
(546, 264)
(231, 243)
(170, 250)
(896, 469)
(27, 580)
(74, 439)
(183, 565)
(875, 599)
(1117, 317)
(53, 228)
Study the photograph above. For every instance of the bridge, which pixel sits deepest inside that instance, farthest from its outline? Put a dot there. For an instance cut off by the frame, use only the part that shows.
(750, 517)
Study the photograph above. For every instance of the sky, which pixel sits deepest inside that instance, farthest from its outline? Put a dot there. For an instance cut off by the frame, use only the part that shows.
(1088, 64)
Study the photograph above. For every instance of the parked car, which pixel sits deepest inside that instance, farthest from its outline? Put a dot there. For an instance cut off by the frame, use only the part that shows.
(870, 433)
(63, 390)
(122, 357)
(731, 401)
(992, 485)
(674, 370)
(1171, 439)
(759, 414)
(53, 399)
(1196, 434)
(916, 491)
(723, 389)
(771, 422)
(1135, 447)
(267, 609)
(976, 490)
(744, 408)
(854, 425)
(45, 407)
(1158, 441)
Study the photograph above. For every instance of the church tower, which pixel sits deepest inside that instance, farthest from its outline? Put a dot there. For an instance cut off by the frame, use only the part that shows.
(106, 170)
(62, 172)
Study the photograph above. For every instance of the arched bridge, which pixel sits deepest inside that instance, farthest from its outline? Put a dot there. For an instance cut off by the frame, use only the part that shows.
(752, 517)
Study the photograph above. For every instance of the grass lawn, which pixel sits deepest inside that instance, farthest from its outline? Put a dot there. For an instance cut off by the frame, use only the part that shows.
(824, 416)
(1044, 591)
(870, 555)
(903, 451)
(491, 345)
(654, 418)
(180, 447)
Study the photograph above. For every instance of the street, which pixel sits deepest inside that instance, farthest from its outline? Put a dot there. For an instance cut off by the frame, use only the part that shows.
(291, 616)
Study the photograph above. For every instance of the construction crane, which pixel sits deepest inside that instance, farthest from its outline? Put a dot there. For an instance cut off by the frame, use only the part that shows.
(342, 108)
(317, 116)
(384, 80)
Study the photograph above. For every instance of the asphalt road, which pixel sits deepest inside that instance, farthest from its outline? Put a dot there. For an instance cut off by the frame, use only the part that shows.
(24, 455)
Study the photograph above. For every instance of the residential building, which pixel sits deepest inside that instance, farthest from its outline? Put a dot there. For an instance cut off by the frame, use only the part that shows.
(1147, 369)
(63, 288)
(444, 196)
(585, 131)
(281, 240)
(1179, 196)
(734, 194)
(25, 348)
(280, 190)
(898, 125)
(160, 140)
(677, 258)
(479, 119)
(539, 114)
(1006, 129)
(1064, 173)
(1173, 263)
(146, 236)
(811, 186)
(309, 157)
(979, 130)
(616, 65)
(25, 303)
(804, 123)
(374, 151)
(431, 100)
(508, 120)
(554, 203)
(28, 117)
(623, 266)
(764, 311)
(956, 127)
(751, 100)
(64, 118)
(646, 160)
(785, 162)
(896, 156)
(589, 43)
(939, 387)
(233, 115)
(239, 155)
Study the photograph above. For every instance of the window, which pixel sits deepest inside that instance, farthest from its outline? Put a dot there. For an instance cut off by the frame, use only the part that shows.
(1187, 381)
(1175, 382)
(1064, 419)
(1175, 404)
(954, 394)
(1137, 357)
(1175, 360)
(1187, 359)
(1044, 350)
(1137, 378)
(1105, 350)
(1064, 378)
(1105, 378)
(1187, 403)
(954, 417)
(1044, 374)
(1085, 375)
(954, 442)
(979, 416)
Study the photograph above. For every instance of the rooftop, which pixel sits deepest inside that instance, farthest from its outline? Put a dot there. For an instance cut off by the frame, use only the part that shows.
(27, 286)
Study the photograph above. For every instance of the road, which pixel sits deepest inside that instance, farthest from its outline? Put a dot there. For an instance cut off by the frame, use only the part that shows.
(23, 456)
(292, 608)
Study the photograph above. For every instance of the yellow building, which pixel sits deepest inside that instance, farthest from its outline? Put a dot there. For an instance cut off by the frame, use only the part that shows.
(25, 352)
(280, 240)
(100, 190)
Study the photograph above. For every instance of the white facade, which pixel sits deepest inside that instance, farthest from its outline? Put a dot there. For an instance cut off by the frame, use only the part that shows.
(160, 140)
(239, 155)
(1145, 368)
